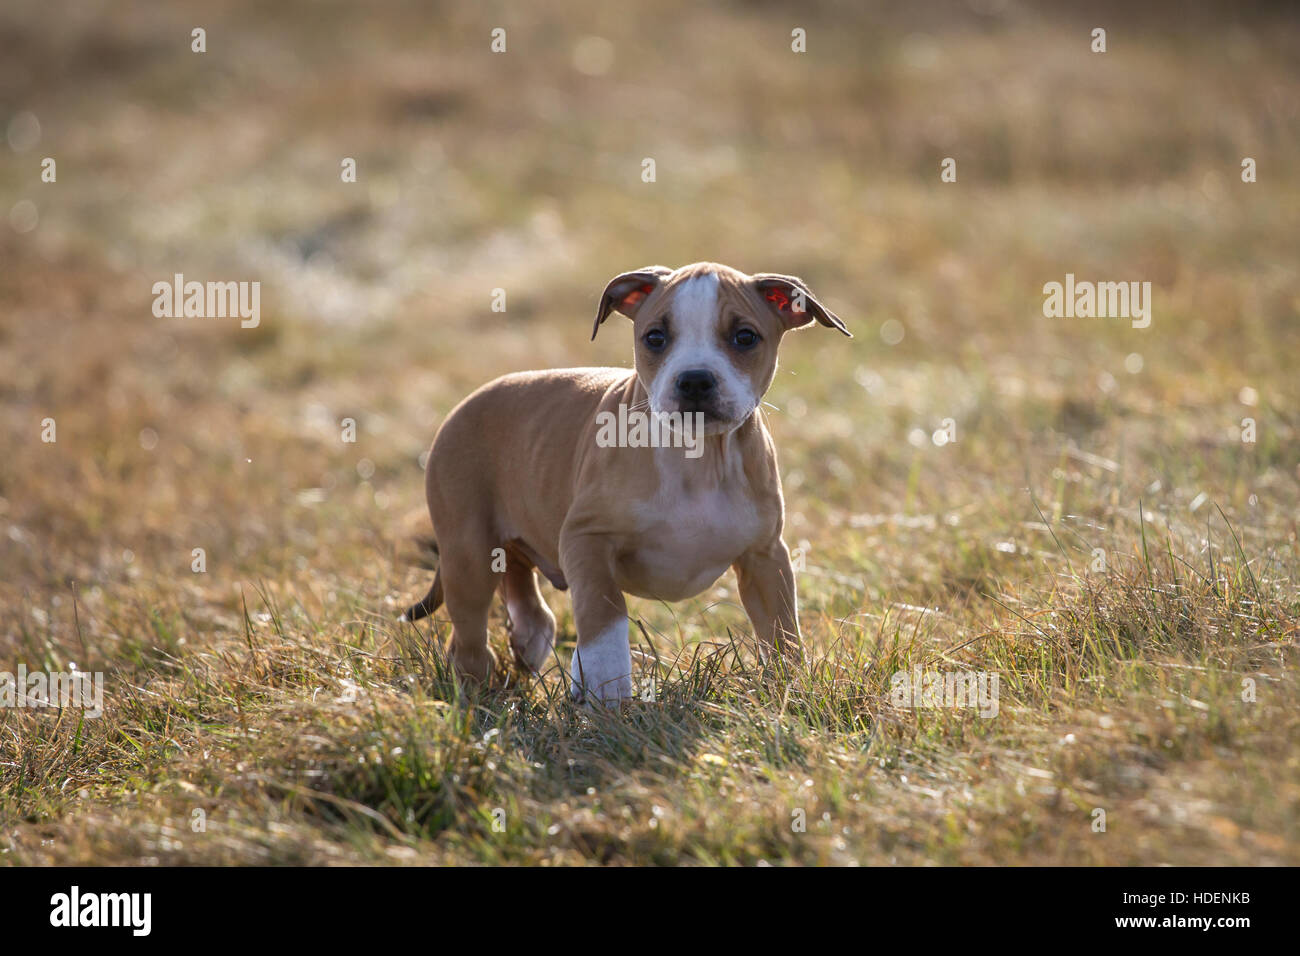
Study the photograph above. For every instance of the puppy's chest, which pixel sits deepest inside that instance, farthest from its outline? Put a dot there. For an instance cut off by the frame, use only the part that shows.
(686, 540)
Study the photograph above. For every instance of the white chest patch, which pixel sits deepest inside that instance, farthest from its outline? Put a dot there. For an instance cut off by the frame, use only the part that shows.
(687, 541)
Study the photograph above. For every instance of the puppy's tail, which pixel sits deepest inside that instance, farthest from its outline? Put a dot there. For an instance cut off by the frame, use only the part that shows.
(427, 604)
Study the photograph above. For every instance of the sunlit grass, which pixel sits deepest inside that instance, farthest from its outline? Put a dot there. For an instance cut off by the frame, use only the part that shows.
(1098, 535)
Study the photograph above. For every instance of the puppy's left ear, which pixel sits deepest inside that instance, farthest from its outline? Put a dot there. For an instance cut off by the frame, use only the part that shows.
(626, 292)
(793, 302)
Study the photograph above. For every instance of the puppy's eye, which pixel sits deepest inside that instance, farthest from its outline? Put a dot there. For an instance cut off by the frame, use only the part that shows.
(655, 340)
(745, 338)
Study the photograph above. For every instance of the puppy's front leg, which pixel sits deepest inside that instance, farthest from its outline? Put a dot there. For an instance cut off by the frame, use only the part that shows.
(767, 591)
(602, 662)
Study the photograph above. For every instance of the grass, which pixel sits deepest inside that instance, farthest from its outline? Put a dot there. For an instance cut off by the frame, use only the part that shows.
(1099, 535)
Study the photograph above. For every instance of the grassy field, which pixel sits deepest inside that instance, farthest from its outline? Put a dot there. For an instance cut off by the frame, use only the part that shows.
(1101, 534)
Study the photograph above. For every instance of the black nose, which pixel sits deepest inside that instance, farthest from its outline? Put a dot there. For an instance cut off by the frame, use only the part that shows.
(696, 385)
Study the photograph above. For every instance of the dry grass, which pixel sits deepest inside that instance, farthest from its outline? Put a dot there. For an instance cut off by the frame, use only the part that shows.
(275, 693)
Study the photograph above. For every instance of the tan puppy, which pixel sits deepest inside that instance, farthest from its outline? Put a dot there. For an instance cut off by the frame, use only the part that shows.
(649, 482)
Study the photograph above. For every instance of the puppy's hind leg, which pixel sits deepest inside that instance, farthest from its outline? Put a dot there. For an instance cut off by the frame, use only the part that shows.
(532, 625)
(469, 583)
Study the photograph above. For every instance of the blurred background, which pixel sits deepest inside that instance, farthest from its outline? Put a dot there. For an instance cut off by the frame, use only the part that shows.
(522, 171)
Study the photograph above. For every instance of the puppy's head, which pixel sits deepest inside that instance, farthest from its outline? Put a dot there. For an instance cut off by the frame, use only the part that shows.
(707, 335)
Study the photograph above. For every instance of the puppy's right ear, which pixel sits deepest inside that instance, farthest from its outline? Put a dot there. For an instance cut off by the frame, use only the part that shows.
(626, 292)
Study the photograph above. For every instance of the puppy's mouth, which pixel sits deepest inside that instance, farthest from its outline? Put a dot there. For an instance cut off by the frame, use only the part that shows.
(715, 413)
(711, 411)
(711, 418)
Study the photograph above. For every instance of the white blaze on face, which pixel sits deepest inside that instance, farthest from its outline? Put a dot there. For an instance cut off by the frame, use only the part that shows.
(695, 342)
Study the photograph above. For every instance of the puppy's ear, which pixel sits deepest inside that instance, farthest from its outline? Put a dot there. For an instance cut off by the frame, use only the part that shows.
(793, 302)
(626, 292)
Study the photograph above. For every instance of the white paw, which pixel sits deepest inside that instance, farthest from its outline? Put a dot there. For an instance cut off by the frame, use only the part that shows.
(602, 667)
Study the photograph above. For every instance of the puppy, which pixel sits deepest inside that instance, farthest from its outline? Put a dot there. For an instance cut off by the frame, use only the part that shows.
(609, 482)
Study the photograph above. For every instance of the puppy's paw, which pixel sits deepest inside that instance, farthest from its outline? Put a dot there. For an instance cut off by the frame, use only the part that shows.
(611, 693)
(532, 648)
(602, 667)
(474, 665)
(532, 636)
